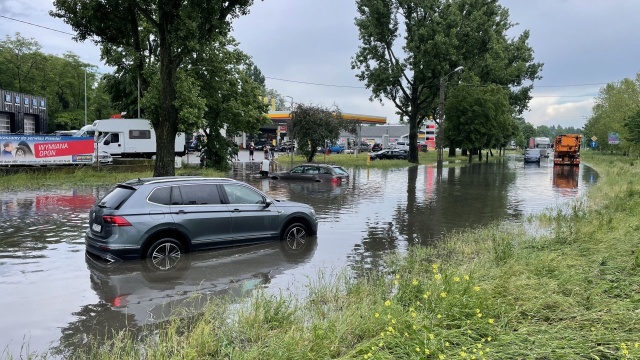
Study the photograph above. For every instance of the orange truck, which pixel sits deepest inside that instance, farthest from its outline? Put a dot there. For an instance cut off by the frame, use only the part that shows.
(566, 149)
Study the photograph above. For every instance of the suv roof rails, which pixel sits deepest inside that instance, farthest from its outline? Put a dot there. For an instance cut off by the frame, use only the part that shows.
(186, 178)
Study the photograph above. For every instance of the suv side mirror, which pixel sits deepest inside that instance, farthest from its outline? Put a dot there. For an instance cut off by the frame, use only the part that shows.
(267, 203)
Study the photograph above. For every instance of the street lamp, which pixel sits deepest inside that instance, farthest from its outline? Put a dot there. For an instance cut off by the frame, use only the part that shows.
(439, 138)
(288, 130)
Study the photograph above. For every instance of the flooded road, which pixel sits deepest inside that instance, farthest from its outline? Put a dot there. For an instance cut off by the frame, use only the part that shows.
(53, 298)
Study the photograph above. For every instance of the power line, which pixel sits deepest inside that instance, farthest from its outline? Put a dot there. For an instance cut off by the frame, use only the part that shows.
(347, 86)
(36, 25)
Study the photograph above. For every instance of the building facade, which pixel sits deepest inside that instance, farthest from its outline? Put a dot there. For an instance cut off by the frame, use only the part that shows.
(22, 113)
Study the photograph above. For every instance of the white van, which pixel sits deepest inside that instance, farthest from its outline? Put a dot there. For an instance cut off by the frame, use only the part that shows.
(128, 137)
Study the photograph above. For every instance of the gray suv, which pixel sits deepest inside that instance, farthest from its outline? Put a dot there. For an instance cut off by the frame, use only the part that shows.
(161, 218)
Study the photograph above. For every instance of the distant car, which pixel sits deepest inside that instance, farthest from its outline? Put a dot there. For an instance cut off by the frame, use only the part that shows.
(362, 147)
(389, 154)
(161, 218)
(532, 156)
(400, 145)
(260, 144)
(314, 172)
(335, 148)
(285, 146)
(376, 147)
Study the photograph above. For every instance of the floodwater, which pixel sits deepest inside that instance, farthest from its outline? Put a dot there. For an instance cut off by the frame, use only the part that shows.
(52, 298)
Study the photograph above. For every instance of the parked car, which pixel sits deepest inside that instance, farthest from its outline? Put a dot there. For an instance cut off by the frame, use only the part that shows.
(314, 172)
(161, 218)
(389, 154)
(285, 146)
(400, 145)
(362, 147)
(532, 155)
(260, 144)
(376, 147)
(335, 148)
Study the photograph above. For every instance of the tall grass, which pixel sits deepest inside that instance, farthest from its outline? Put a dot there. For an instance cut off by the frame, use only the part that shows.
(570, 291)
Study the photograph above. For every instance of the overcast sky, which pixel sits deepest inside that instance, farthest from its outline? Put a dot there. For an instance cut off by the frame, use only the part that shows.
(583, 44)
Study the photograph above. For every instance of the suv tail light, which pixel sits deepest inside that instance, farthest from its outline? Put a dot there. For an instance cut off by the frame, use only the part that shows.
(115, 220)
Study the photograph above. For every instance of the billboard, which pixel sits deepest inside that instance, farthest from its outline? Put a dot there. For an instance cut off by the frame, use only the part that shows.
(45, 149)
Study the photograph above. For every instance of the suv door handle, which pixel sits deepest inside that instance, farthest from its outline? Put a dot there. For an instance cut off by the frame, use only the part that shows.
(181, 212)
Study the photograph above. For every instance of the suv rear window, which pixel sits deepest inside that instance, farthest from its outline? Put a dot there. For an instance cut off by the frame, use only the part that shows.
(116, 197)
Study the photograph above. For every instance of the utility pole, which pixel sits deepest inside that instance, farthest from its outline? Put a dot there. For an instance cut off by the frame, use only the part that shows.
(85, 97)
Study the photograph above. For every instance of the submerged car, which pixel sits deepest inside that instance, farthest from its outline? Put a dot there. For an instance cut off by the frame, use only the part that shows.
(532, 156)
(314, 172)
(163, 217)
(389, 154)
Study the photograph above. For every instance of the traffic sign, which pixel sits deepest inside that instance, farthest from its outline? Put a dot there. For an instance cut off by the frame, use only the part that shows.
(594, 138)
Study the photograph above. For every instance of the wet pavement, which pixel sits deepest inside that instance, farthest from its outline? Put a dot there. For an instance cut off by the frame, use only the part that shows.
(54, 298)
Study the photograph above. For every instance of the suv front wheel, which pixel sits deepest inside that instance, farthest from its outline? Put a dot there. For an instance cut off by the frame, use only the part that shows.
(295, 236)
(165, 253)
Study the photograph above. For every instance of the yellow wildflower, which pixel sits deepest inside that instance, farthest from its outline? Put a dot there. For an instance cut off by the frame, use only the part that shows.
(476, 288)
(443, 294)
(479, 315)
(439, 316)
(395, 282)
(437, 277)
(377, 315)
(490, 321)
(387, 303)
(446, 343)
(477, 311)
(397, 276)
(463, 354)
(456, 279)
(414, 282)
(442, 356)
(393, 321)
(417, 349)
(413, 314)
(431, 336)
(466, 277)
(427, 352)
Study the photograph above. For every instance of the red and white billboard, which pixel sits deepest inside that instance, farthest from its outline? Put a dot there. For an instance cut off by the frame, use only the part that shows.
(45, 149)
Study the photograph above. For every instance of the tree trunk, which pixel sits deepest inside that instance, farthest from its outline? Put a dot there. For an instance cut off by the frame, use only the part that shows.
(166, 127)
(413, 127)
(452, 151)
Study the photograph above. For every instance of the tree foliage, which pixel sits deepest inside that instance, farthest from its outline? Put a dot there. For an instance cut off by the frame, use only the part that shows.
(232, 97)
(408, 46)
(615, 106)
(479, 117)
(61, 79)
(158, 34)
(314, 126)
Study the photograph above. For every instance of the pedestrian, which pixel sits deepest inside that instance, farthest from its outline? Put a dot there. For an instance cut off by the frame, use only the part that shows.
(251, 149)
(272, 150)
(266, 152)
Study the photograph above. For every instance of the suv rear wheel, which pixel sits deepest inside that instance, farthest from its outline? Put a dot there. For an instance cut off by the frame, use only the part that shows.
(165, 253)
(295, 236)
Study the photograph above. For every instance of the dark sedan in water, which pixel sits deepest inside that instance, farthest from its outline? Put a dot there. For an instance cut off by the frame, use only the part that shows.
(314, 172)
(389, 154)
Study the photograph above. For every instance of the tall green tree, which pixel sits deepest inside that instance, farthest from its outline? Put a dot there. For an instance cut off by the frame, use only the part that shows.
(409, 46)
(479, 117)
(313, 126)
(232, 97)
(163, 32)
(616, 103)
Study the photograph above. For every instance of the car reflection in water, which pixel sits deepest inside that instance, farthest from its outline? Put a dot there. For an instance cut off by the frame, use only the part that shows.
(134, 294)
(150, 291)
